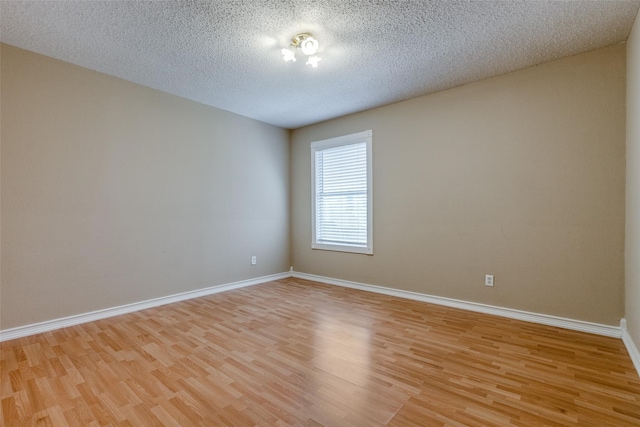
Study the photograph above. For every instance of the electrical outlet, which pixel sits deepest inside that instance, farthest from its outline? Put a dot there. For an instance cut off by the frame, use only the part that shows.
(488, 279)
(253, 260)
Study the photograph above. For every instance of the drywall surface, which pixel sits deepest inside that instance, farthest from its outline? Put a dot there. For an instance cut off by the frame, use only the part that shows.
(632, 242)
(114, 193)
(520, 176)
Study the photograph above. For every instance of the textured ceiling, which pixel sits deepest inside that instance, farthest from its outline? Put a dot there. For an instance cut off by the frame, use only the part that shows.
(227, 53)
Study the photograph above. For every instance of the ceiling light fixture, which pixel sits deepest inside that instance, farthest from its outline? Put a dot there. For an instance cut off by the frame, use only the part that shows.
(309, 46)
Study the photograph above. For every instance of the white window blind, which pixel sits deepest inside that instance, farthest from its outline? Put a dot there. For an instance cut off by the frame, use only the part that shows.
(342, 193)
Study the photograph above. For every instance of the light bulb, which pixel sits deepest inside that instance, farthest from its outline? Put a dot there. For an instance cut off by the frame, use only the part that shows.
(313, 60)
(288, 54)
(309, 46)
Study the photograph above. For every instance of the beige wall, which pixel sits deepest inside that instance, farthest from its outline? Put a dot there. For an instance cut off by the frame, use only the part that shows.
(114, 193)
(632, 252)
(520, 176)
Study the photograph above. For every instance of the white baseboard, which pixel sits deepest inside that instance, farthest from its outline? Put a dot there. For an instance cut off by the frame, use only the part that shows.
(544, 319)
(578, 325)
(631, 346)
(50, 325)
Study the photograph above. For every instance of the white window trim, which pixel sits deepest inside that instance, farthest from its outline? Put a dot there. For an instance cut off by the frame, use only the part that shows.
(365, 136)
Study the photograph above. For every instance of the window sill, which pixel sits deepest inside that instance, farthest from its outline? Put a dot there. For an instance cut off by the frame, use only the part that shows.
(343, 248)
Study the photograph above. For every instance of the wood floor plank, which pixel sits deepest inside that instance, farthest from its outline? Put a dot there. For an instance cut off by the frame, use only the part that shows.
(299, 353)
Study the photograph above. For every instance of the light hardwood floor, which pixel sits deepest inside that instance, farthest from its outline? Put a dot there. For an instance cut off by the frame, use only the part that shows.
(294, 352)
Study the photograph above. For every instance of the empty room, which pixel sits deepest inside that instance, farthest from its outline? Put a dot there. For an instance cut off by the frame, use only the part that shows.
(320, 213)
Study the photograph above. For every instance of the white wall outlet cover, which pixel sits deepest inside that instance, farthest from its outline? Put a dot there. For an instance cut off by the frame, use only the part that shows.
(488, 279)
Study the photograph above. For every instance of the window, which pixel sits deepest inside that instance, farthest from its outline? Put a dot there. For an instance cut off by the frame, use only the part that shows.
(341, 193)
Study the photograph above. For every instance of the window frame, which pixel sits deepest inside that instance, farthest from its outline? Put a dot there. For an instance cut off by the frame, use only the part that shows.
(354, 138)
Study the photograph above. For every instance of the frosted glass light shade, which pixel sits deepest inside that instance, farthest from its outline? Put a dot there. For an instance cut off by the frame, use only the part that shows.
(288, 55)
(309, 46)
(313, 61)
